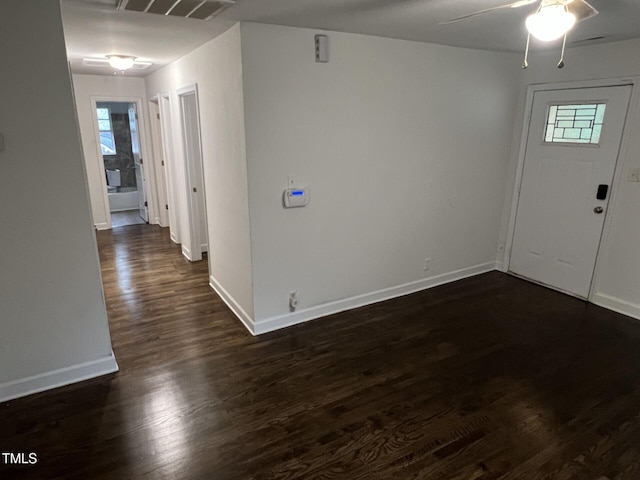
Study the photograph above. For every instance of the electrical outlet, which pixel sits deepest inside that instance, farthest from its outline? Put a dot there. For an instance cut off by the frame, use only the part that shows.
(427, 263)
(293, 300)
(634, 175)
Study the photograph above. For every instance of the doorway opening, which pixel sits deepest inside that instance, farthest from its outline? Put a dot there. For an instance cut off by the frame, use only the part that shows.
(119, 143)
(197, 242)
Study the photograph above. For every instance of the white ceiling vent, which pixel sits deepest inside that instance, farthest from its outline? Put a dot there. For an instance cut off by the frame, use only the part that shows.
(200, 9)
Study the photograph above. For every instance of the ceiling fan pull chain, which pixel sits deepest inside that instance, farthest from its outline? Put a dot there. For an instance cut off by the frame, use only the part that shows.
(525, 64)
(564, 44)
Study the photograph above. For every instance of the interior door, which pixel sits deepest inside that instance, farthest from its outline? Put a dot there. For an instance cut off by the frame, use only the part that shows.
(195, 177)
(571, 152)
(160, 165)
(138, 163)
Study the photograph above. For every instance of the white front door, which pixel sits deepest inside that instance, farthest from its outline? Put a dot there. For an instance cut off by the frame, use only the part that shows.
(571, 151)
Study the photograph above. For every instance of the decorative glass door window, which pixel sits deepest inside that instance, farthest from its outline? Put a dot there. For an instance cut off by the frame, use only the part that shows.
(581, 123)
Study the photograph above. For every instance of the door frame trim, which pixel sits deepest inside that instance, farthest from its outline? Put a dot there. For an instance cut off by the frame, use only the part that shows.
(634, 104)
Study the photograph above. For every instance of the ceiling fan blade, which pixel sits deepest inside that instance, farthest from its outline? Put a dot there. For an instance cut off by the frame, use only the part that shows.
(582, 10)
(520, 3)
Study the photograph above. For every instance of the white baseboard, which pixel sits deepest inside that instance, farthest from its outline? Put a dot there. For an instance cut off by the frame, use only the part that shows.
(127, 208)
(301, 316)
(294, 318)
(102, 226)
(174, 238)
(500, 266)
(231, 302)
(186, 253)
(57, 378)
(617, 305)
(155, 221)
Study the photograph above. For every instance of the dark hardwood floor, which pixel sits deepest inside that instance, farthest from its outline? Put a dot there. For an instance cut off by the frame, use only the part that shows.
(486, 378)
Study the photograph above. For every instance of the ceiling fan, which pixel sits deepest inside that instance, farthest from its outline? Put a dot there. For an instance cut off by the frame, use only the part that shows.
(552, 20)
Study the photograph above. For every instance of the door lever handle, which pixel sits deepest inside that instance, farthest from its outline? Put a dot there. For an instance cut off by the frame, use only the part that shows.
(598, 210)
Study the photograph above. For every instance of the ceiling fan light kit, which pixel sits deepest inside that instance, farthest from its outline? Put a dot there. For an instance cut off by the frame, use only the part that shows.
(552, 20)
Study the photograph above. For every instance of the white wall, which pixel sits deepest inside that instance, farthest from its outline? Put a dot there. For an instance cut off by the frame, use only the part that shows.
(404, 147)
(114, 87)
(53, 318)
(618, 273)
(216, 68)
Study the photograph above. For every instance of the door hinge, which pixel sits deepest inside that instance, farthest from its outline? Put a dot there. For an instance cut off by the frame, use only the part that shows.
(146, 204)
(195, 190)
(162, 163)
(141, 161)
(166, 207)
(136, 115)
(158, 115)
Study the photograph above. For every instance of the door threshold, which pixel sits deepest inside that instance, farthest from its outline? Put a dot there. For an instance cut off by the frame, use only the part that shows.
(546, 285)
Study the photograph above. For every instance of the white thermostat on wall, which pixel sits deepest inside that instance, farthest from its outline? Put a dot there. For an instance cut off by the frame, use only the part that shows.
(295, 197)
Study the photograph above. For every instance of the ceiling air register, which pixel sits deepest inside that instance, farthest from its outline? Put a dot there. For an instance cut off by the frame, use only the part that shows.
(199, 9)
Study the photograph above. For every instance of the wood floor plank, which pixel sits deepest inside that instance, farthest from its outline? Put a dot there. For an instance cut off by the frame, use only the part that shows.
(487, 378)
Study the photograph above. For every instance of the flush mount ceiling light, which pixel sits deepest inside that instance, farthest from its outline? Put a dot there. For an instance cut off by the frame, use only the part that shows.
(121, 62)
(105, 62)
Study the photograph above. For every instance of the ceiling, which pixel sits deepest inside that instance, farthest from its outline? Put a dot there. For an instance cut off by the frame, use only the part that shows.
(95, 28)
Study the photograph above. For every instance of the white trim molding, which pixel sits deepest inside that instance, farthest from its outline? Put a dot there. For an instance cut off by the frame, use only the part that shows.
(58, 378)
(102, 226)
(301, 316)
(232, 303)
(620, 306)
